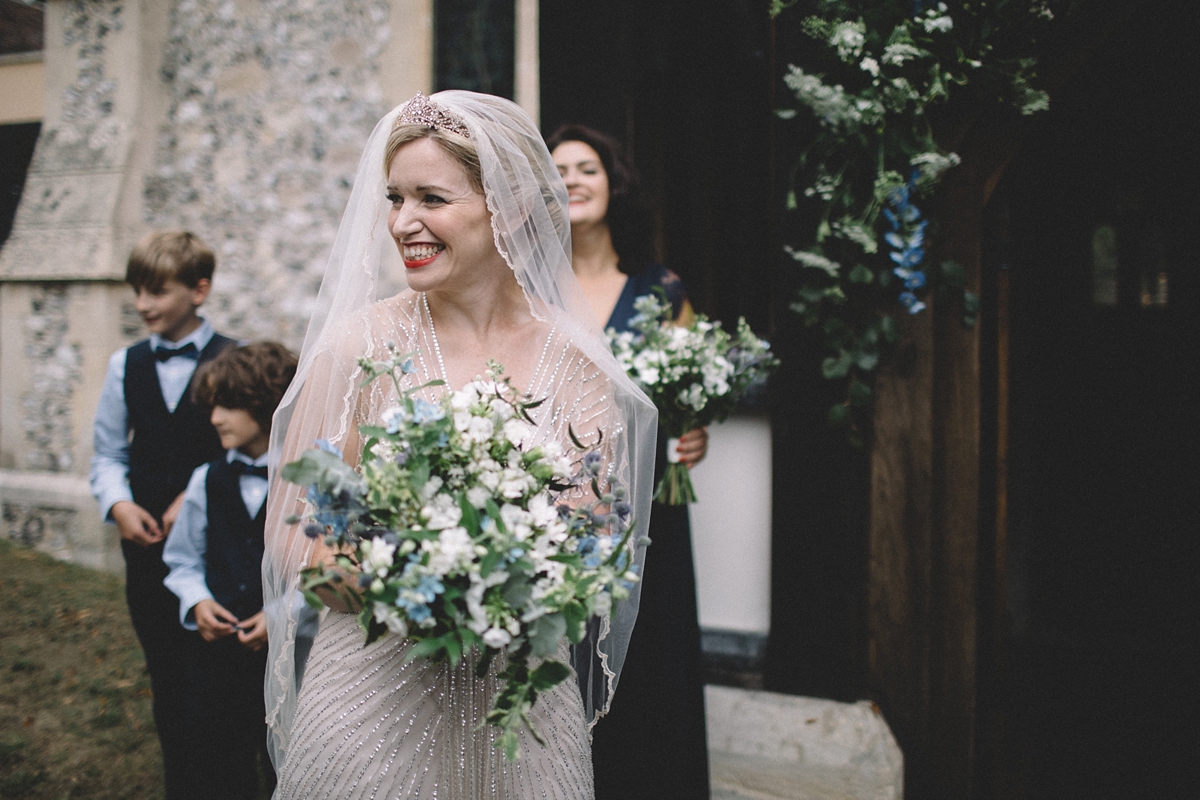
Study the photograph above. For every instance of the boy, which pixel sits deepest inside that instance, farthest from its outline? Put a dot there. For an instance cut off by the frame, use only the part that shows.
(215, 556)
(148, 438)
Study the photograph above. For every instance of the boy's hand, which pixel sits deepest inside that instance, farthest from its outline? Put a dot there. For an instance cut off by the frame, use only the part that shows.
(171, 514)
(252, 631)
(214, 620)
(135, 523)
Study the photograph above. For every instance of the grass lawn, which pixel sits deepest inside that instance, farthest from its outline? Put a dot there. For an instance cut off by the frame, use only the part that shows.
(75, 716)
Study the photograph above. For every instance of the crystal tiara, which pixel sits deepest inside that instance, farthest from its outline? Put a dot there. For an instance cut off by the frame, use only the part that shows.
(423, 111)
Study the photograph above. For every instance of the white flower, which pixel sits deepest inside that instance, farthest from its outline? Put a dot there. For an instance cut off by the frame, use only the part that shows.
(384, 449)
(479, 429)
(831, 104)
(441, 513)
(490, 478)
(479, 621)
(693, 397)
(517, 431)
(941, 24)
(932, 165)
(514, 483)
(377, 556)
(478, 496)
(603, 604)
(502, 409)
(900, 52)
(542, 512)
(517, 521)
(870, 65)
(392, 618)
(848, 38)
(450, 551)
(716, 375)
(496, 638)
(431, 487)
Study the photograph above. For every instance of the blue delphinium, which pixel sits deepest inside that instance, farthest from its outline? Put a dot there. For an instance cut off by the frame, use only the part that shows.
(907, 238)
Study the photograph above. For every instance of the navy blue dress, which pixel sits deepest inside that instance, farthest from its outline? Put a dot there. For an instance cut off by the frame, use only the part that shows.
(652, 743)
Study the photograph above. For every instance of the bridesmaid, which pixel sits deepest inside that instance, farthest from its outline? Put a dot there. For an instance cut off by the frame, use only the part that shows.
(652, 743)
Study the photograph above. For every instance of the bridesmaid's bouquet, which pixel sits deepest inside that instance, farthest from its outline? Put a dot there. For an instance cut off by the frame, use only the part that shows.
(457, 533)
(695, 375)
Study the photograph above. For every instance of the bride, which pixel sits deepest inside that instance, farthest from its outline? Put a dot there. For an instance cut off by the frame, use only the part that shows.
(476, 213)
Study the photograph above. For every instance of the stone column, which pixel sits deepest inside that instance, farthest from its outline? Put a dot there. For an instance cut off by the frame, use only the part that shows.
(63, 307)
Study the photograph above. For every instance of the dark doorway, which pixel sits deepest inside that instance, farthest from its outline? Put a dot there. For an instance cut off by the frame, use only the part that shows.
(1101, 688)
(16, 151)
(692, 89)
(474, 48)
(685, 87)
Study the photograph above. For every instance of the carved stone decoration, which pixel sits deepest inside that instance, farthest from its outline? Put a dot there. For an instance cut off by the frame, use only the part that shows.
(41, 527)
(55, 371)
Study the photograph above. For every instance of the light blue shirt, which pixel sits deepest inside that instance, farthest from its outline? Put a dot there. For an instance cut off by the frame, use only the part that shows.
(109, 475)
(188, 542)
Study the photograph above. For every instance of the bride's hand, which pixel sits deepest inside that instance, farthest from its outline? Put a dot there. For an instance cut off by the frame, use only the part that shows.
(344, 595)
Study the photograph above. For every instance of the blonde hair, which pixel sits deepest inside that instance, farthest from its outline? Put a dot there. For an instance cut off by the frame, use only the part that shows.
(460, 149)
(169, 256)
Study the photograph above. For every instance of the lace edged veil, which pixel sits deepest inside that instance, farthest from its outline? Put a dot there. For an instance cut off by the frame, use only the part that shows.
(530, 225)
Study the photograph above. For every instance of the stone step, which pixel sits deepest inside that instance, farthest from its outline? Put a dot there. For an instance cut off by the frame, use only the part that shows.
(769, 746)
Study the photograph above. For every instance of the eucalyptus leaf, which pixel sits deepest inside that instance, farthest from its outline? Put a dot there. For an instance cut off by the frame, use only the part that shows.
(426, 648)
(867, 360)
(861, 274)
(549, 674)
(970, 303)
(838, 414)
(545, 634)
(859, 393)
(836, 367)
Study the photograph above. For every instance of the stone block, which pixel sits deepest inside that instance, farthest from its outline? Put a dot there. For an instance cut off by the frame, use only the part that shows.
(774, 746)
(57, 515)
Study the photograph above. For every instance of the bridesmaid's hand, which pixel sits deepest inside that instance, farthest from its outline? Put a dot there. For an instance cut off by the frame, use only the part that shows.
(693, 447)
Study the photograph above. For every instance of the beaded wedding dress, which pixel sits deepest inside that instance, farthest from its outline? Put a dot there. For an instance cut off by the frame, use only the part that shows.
(348, 721)
(368, 723)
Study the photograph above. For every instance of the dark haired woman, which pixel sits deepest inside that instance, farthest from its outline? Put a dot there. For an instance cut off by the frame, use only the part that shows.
(658, 715)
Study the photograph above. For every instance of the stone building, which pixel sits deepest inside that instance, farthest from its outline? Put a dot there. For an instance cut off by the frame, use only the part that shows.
(239, 120)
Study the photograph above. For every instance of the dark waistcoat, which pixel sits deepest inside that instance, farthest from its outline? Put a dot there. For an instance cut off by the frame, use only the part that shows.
(234, 552)
(166, 446)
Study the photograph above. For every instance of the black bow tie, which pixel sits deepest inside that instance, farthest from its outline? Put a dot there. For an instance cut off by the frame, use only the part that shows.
(187, 351)
(240, 467)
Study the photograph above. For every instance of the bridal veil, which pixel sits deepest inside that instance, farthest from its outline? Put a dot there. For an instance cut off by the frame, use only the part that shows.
(528, 204)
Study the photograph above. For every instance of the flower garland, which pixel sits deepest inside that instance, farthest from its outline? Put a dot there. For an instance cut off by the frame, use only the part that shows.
(872, 153)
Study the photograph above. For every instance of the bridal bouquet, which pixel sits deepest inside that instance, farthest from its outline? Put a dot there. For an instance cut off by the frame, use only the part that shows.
(449, 533)
(695, 375)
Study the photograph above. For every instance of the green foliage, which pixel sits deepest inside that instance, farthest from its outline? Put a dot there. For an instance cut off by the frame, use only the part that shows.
(870, 154)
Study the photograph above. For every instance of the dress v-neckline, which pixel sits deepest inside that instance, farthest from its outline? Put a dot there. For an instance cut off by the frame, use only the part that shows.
(445, 373)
